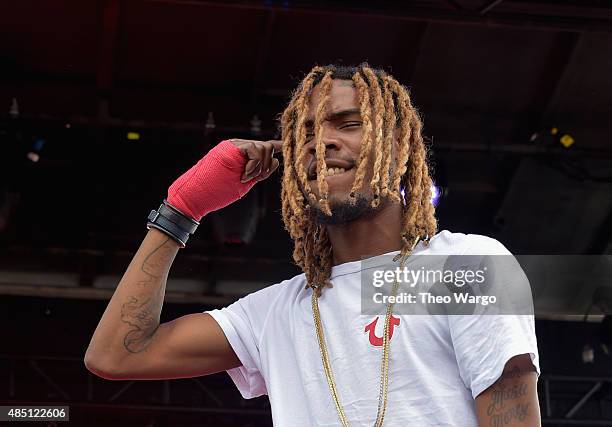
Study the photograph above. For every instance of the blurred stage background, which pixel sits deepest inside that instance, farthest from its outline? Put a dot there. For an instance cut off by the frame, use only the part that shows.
(104, 103)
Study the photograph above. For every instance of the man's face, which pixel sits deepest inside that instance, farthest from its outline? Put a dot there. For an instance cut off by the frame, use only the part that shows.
(342, 132)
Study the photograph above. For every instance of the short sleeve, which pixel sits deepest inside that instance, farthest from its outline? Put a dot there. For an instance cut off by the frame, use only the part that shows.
(483, 342)
(242, 323)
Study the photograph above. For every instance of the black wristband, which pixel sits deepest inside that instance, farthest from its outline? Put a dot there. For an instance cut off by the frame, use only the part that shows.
(172, 222)
(173, 214)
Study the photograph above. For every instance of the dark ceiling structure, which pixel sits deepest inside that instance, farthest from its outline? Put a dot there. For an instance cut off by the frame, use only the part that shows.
(104, 103)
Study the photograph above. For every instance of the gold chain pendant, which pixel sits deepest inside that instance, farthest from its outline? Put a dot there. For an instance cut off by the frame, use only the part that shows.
(384, 366)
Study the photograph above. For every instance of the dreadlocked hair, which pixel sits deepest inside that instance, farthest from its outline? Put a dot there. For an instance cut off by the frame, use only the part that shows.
(386, 112)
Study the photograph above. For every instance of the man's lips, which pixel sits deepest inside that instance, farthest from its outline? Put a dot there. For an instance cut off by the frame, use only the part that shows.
(330, 164)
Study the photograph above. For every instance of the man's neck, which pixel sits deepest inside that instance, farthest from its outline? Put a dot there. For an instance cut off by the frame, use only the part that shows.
(365, 237)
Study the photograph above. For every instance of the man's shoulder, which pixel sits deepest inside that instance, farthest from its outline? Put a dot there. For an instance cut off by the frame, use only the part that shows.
(281, 292)
(449, 243)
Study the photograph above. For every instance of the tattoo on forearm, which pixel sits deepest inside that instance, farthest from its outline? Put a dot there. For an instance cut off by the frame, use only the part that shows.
(507, 404)
(141, 312)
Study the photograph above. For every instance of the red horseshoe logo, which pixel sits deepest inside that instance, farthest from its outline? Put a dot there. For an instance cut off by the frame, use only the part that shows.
(371, 328)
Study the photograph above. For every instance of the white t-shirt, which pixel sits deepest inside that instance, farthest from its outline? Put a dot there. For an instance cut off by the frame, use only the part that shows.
(438, 364)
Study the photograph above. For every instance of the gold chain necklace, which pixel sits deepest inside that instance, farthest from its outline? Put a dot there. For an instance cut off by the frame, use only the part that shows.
(384, 366)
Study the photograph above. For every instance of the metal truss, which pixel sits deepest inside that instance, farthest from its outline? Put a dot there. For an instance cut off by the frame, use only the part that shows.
(211, 400)
(562, 397)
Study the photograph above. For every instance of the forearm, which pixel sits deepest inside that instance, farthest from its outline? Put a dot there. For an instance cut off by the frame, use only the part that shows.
(132, 316)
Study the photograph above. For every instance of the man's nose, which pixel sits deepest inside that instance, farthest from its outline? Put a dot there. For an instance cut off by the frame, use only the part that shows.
(330, 141)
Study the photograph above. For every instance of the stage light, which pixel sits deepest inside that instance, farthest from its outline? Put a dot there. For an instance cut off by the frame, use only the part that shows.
(588, 354)
(14, 109)
(133, 136)
(552, 136)
(436, 193)
(34, 157)
(255, 125)
(210, 122)
(34, 154)
(566, 140)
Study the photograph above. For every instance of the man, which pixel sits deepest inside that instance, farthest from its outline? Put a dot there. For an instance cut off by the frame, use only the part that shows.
(355, 184)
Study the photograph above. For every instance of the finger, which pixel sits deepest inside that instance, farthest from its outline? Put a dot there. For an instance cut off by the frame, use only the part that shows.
(268, 152)
(251, 166)
(259, 168)
(243, 143)
(251, 152)
(249, 170)
(274, 165)
(262, 158)
(278, 146)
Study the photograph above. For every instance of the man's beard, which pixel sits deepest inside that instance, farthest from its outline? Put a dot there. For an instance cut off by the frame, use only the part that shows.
(344, 211)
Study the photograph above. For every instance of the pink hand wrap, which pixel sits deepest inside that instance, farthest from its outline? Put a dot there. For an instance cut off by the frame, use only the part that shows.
(212, 183)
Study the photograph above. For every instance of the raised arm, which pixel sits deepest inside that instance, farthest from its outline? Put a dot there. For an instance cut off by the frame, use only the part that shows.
(129, 341)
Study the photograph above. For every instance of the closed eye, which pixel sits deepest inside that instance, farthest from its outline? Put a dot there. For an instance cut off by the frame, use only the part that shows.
(310, 132)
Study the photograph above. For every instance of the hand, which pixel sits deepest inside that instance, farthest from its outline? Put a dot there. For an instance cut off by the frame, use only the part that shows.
(259, 154)
(223, 175)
